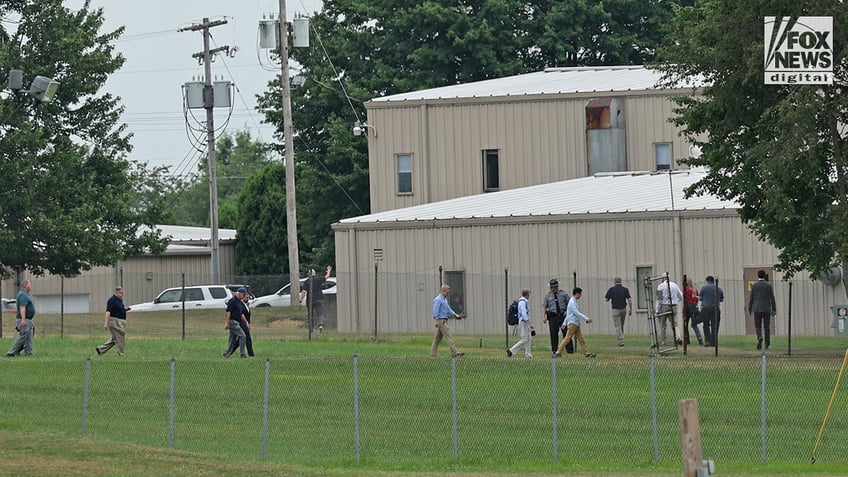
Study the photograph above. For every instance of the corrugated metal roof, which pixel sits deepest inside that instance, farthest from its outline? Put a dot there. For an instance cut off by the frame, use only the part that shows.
(599, 194)
(181, 233)
(549, 81)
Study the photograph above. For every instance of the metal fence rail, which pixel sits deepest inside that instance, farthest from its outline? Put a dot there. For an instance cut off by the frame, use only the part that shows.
(405, 411)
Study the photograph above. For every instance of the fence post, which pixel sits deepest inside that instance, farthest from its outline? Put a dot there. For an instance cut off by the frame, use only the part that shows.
(690, 436)
(172, 402)
(654, 410)
(356, 442)
(453, 409)
(763, 406)
(85, 394)
(555, 437)
(265, 402)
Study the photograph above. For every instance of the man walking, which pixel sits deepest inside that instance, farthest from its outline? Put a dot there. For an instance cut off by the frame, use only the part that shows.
(711, 296)
(553, 310)
(622, 306)
(313, 290)
(116, 321)
(441, 312)
(524, 327)
(573, 317)
(668, 296)
(762, 305)
(235, 320)
(23, 321)
(248, 340)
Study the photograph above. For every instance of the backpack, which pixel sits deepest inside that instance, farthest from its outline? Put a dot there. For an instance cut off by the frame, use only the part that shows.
(512, 314)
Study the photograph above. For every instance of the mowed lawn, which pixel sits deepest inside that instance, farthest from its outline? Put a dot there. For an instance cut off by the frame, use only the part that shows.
(504, 410)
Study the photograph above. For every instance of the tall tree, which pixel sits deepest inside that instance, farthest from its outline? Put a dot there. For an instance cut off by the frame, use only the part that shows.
(238, 156)
(778, 150)
(362, 49)
(71, 198)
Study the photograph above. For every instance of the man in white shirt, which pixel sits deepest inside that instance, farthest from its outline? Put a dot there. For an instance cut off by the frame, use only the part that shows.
(525, 329)
(668, 296)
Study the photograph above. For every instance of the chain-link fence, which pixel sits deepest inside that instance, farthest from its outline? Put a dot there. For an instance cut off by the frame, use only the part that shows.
(405, 412)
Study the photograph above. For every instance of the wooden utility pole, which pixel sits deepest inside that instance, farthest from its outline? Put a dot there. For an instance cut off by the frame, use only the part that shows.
(209, 103)
(288, 132)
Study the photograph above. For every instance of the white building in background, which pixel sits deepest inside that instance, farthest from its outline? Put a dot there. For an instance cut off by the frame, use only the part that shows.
(553, 125)
(624, 224)
(189, 253)
(498, 185)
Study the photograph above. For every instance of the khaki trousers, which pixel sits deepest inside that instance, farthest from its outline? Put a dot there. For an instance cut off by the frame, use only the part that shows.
(442, 331)
(117, 327)
(574, 332)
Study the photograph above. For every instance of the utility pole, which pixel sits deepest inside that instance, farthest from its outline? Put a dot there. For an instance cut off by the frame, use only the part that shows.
(288, 132)
(208, 103)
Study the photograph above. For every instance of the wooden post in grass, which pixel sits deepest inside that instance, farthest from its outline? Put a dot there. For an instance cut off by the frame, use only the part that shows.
(690, 435)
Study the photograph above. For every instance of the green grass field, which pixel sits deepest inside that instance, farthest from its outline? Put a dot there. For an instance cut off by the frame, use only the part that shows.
(504, 410)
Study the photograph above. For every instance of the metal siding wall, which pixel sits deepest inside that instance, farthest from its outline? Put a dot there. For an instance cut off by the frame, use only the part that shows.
(647, 123)
(539, 141)
(99, 282)
(597, 250)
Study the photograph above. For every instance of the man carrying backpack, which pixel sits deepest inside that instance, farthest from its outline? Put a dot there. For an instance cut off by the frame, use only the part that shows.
(524, 327)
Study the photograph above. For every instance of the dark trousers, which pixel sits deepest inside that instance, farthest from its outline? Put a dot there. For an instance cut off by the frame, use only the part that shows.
(711, 318)
(691, 318)
(555, 322)
(761, 321)
(248, 341)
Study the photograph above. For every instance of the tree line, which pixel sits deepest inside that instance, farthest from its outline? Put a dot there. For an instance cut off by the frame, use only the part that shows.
(74, 200)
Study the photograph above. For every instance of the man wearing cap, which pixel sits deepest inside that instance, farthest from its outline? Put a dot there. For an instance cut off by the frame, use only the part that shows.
(116, 321)
(248, 340)
(553, 313)
(622, 306)
(235, 318)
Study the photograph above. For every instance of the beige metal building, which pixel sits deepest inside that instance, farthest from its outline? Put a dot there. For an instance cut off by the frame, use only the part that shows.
(617, 224)
(557, 124)
(142, 277)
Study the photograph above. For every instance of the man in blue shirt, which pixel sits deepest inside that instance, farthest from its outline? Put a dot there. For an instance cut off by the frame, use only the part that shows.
(23, 321)
(573, 318)
(116, 320)
(235, 319)
(711, 296)
(441, 312)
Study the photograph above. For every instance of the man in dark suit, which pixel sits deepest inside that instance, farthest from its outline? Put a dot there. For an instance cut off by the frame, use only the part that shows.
(761, 303)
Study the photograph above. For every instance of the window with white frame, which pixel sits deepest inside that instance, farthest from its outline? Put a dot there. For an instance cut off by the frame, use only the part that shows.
(662, 155)
(403, 165)
(491, 177)
(643, 297)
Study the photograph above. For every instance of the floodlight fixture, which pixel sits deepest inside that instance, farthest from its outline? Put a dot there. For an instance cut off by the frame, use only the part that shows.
(43, 89)
(361, 127)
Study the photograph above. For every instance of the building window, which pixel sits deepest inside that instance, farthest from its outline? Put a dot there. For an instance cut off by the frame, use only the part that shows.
(456, 280)
(491, 179)
(662, 154)
(644, 297)
(403, 163)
